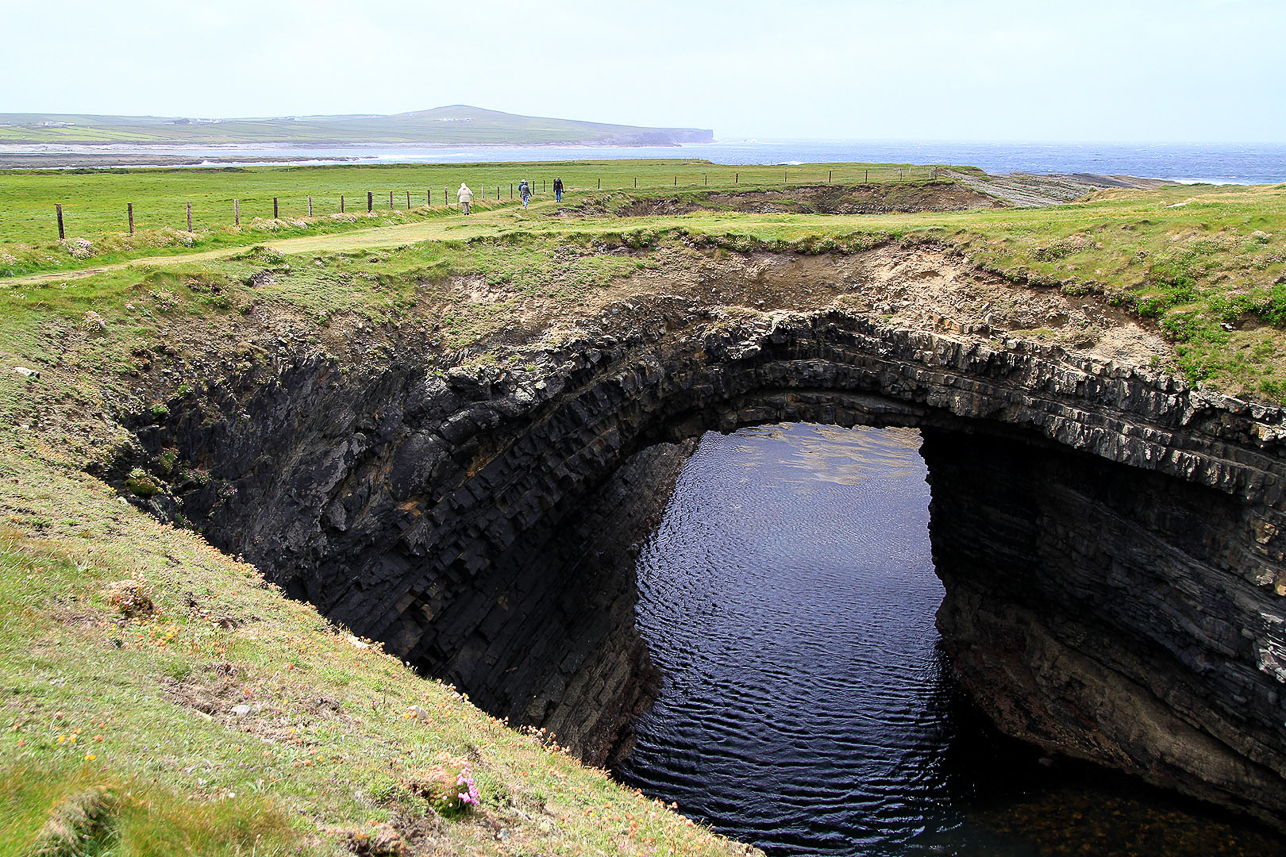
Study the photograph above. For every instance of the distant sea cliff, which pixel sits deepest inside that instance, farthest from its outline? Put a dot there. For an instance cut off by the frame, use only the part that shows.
(442, 126)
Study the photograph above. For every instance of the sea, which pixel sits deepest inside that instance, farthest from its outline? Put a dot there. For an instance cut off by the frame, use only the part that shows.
(1216, 163)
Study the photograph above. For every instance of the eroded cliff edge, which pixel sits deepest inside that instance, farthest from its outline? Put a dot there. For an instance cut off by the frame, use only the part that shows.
(1108, 536)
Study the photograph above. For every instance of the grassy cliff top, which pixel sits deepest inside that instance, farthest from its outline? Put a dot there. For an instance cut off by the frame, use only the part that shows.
(1201, 265)
(225, 719)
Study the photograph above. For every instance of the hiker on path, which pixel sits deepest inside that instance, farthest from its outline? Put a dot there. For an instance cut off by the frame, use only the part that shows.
(524, 191)
(558, 190)
(465, 196)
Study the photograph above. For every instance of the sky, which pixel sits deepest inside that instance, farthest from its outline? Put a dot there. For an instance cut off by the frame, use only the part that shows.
(996, 70)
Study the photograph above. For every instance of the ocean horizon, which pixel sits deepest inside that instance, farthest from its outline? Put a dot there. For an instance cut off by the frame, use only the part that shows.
(1218, 163)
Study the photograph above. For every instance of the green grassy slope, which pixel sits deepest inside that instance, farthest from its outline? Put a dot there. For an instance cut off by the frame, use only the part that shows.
(335, 737)
(456, 124)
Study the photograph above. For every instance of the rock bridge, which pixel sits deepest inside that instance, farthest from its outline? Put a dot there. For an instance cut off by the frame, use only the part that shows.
(1108, 537)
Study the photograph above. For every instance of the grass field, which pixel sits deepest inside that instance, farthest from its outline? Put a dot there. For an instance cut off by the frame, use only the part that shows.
(94, 201)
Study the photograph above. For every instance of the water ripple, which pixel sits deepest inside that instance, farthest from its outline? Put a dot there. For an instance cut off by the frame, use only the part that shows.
(788, 596)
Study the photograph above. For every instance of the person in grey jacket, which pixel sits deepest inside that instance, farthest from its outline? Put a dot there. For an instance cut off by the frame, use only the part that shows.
(524, 191)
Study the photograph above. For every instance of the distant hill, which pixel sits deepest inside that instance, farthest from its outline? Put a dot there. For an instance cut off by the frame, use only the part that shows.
(442, 126)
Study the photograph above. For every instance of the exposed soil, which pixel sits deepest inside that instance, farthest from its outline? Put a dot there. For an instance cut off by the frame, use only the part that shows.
(920, 287)
(861, 199)
(804, 199)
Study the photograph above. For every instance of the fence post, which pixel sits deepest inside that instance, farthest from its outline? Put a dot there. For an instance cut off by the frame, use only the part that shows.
(829, 173)
(276, 212)
(341, 203)
(676, 181)
(446, 198)
(736, 178)
(370, 202)
(868, 177)
(600, 184)
(899, 175)
(408, 200)
(236, 212)
(189, 217)
(785, 176)
(310, 206)
(390, 200)
(129, 208)
(706, 178)
(428, 197)
(636, 181)
(58, 206)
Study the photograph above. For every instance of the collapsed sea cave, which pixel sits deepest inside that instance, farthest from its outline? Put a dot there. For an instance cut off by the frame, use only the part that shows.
(1108, 537)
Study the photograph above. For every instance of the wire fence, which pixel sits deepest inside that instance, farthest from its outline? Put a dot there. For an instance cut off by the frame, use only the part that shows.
(88, 214)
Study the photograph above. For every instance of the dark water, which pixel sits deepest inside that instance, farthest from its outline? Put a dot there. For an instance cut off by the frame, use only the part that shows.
(788, 595)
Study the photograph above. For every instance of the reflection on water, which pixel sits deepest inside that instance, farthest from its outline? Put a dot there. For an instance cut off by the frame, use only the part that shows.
(788, 596)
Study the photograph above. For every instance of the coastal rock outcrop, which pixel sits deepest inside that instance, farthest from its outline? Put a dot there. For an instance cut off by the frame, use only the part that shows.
(1109, 537)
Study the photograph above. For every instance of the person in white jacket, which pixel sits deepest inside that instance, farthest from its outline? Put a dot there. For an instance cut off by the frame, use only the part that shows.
(465, 196)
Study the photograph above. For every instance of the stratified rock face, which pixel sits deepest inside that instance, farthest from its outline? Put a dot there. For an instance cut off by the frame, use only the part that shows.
(1108, 537)
(1096, 610)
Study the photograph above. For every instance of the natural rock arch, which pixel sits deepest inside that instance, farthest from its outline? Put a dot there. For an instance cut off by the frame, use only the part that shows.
(1108, 536)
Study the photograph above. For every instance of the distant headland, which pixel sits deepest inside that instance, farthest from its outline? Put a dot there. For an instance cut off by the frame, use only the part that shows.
(457, 124)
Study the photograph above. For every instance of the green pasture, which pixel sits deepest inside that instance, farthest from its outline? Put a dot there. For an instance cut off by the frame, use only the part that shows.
(94, 201)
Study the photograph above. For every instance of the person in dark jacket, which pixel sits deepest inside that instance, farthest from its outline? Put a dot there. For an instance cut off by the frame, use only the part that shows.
(524, 191)
(558, 190)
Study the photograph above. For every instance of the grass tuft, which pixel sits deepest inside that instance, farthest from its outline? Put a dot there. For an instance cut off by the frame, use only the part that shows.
(74, 823)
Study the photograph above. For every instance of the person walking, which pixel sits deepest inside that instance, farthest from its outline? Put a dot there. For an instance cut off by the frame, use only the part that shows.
(558, 190)
(524, 191)
(465, 196)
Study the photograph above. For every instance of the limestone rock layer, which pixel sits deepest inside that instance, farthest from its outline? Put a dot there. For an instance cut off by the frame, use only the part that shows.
(1108, 536)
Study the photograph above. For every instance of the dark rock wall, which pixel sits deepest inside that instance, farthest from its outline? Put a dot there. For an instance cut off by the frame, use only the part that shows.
(444, 513)
(314, 474)
(1092, 608)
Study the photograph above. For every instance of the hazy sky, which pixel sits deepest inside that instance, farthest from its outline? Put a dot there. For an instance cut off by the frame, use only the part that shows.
(1122, 70)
